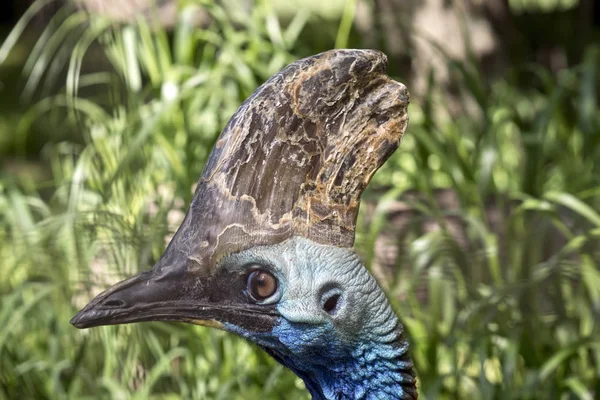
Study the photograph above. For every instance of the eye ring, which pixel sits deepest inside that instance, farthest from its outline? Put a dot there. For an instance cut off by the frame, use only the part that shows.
(261, 284)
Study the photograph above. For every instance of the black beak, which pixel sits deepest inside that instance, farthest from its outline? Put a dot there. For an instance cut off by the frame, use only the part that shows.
(217, 300)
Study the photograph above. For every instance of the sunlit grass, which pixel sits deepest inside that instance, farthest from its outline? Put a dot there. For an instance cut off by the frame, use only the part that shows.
(510, 308)
(511, 315)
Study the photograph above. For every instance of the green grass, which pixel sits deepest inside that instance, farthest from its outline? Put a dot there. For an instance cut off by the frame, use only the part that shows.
(509, 317)
(514, 313)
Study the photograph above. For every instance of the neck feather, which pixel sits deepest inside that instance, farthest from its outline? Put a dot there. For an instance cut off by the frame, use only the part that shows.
(379, 368)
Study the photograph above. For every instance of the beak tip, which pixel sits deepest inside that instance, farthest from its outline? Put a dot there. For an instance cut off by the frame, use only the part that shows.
(86, 318)
(76, 321)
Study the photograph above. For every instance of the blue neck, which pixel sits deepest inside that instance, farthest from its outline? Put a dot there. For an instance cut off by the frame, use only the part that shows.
(372, 370)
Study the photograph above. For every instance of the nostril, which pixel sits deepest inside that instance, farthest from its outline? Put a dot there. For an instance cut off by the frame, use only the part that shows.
(114, 303)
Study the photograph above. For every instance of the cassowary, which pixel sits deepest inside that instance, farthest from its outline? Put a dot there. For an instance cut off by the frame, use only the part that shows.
(266, 248)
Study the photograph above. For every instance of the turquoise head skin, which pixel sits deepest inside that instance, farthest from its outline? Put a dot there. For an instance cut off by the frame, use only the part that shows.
(336, 329)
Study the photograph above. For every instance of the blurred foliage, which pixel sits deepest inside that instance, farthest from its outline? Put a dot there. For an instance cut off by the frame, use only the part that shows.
(544, 5)
(137, 109)
(503, 318)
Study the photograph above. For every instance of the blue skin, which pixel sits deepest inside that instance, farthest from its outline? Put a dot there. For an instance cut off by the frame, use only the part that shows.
(356, 350)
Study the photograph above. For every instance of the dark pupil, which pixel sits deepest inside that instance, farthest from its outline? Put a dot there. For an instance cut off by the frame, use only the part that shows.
(261, 284)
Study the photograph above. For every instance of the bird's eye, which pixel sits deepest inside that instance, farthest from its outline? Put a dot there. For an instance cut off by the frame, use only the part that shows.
(261, 284)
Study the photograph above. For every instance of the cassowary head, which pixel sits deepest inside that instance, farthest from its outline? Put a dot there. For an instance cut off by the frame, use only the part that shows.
(265, 250)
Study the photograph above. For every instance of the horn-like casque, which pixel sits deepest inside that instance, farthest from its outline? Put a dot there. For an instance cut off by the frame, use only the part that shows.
(295, 158)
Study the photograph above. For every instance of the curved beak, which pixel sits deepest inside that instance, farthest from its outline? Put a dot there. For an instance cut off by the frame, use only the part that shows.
(174, 294)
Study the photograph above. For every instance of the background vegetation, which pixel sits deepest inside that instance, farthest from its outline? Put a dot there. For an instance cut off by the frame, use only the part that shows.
(104, 128)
